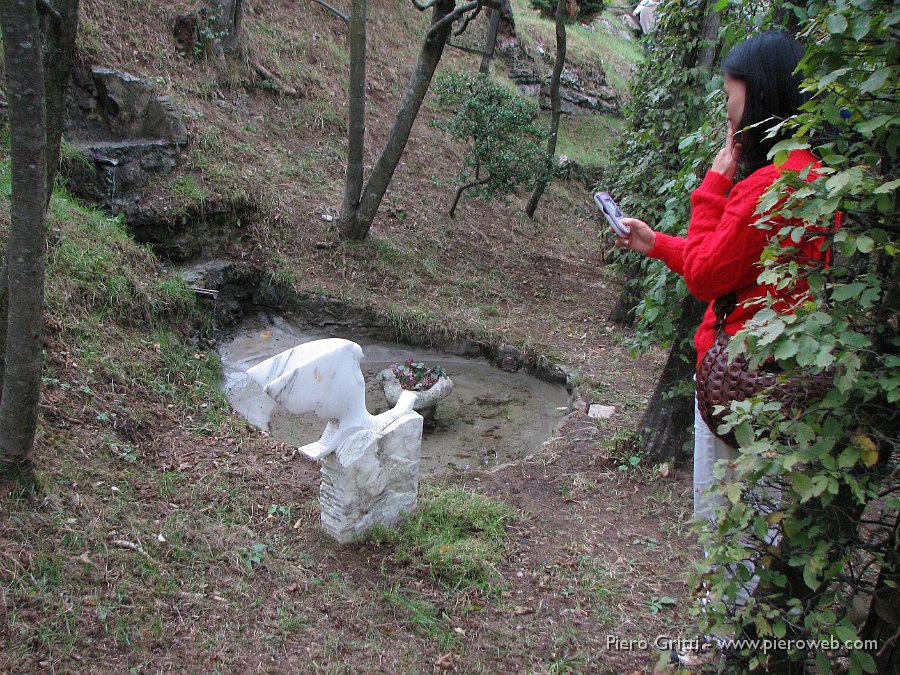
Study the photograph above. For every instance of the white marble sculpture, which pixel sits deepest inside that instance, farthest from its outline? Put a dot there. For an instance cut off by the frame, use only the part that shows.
(370, 463)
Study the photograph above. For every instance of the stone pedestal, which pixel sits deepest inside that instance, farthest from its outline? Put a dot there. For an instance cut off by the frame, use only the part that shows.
(380, 487)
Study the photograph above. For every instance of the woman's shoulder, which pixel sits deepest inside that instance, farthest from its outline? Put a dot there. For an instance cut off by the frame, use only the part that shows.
(760, 180)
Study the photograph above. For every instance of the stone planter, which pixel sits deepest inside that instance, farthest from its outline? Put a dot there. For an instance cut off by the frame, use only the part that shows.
(426, 400)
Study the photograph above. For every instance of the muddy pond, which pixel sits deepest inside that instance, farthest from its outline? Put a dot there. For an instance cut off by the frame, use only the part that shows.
(492, 417)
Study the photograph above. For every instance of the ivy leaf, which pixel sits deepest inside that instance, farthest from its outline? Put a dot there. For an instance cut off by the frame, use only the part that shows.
(823, 663)
(785, 350)
(848, 458)
(862, 660)
(836, 24)
(865, 244)
(887, 187)
(810, 577)
(868, 451)
(861, 27)
(837, 182)
(876, 80)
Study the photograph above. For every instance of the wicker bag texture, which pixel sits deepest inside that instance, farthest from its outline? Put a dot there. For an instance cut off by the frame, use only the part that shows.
(721, 381)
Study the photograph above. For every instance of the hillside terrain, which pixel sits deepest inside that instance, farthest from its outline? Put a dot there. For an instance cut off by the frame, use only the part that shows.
(169, 534)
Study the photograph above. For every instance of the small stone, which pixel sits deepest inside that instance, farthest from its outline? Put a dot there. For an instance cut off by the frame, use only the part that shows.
(327, 218)
(602, 412)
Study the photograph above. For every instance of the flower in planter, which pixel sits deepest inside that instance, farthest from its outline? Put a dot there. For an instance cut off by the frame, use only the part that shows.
(416, 376)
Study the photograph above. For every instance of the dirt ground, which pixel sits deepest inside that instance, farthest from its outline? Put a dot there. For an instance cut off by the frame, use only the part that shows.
(175, 537)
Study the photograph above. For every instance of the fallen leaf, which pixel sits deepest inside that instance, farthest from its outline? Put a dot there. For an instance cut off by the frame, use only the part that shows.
(445, 662)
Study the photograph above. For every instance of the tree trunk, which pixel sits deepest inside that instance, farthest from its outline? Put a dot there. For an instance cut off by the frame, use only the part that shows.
(883, 621)
(356, 225)
(463, 188)
(667, 420)
(555, 103)
(356, 127)
(58, 57)
(491, 42)
(507, 26)
(623, 311)
(709, 38)
(27, 237)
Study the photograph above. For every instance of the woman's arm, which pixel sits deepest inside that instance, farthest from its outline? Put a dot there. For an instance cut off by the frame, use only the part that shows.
(644, 239)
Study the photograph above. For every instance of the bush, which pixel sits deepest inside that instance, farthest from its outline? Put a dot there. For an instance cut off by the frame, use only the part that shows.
(506, 142)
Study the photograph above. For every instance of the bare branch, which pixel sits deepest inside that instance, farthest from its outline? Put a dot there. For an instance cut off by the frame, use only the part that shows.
(453, 16)
(468, 19)
(463, 48)
(336, 12)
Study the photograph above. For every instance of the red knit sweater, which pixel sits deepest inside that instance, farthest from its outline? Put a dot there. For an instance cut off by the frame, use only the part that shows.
(722, 249)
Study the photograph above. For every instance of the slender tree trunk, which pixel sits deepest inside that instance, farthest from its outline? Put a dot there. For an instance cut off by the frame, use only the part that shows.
(623, 311)
(463, 188)
(490, 43)
(59, 55)
(27, 238)
(555, 103)
(356, 226)
(4, 317)
(356, 133)
(667, 419)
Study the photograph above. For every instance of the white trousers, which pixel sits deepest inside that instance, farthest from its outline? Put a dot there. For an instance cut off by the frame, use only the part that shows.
(709, 449)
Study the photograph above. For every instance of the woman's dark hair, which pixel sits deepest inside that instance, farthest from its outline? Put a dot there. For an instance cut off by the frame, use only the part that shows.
(766, 64)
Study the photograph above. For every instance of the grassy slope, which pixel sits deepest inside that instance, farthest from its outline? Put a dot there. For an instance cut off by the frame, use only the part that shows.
(168, 534)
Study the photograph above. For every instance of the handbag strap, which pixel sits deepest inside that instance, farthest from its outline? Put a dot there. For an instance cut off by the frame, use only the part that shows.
(723, 306)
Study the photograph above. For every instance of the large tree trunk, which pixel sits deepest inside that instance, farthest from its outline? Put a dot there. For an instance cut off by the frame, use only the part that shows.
(555, 103)
(356, 126)
(883, 621)
(59, 55)
(27, 238)
(667, 420)
(507, 26)
(709, 38)
(356, 225)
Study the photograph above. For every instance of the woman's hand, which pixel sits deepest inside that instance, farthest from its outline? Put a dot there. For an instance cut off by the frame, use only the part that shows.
(642, 237)
(726, 161)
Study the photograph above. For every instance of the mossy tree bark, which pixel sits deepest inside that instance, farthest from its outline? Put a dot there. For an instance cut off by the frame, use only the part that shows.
(666, 423)
(356, 132)
(490, 42)
(59, 33)
(39, 44)
(19, 22)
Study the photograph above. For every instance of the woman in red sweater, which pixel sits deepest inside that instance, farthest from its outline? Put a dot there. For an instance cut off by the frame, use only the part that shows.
(720, 254)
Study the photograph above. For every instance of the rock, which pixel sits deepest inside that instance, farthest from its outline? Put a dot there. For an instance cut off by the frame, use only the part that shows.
(601, 412)
(122, 133)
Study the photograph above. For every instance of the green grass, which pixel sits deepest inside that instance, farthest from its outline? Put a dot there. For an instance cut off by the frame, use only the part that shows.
(584, 46)
(456, 536)
(587, 139)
